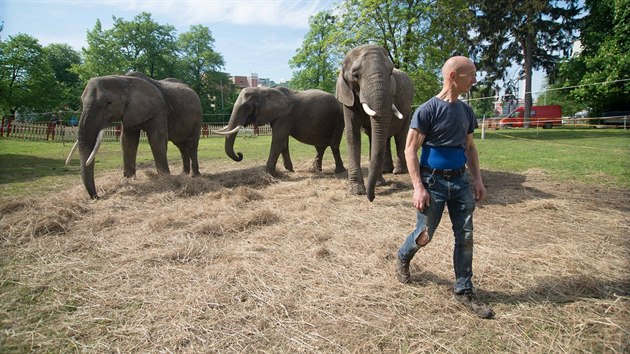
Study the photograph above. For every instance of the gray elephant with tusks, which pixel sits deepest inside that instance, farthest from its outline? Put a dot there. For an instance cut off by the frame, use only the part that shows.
(166, 109)
(376, 97)
(312, 117)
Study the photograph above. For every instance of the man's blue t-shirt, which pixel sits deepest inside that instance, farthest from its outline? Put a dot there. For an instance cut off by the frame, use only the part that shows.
(445, 126)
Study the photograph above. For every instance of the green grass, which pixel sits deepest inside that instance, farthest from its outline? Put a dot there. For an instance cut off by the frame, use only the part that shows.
(592, 156)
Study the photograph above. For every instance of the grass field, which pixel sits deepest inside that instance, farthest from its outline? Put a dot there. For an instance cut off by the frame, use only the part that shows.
(239, 261)
(592, 156)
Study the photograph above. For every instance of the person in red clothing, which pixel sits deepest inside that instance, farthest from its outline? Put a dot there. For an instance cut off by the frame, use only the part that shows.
(52, 124)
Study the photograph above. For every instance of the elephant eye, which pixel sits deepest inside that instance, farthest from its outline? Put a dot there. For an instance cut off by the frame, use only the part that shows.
(355, 75)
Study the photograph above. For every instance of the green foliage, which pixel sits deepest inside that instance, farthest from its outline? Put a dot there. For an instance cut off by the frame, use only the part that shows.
(36, 79)
(26, 76)
(418, 34)
(605, 58)
(317, 61)
(593, 78)
(61, 58)
(199, 66)
(482, 100)
(146, 46)
(140, 45)
(102, 55)
(550, 96)
(536, 33)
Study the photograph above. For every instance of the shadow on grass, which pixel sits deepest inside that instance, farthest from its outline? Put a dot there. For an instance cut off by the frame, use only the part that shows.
(560, 290)
(23, 168)
(501, 188)
(506, 187)
(552, 289)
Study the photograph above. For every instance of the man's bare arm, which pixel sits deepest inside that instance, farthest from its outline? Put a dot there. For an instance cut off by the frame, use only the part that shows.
(413, 144)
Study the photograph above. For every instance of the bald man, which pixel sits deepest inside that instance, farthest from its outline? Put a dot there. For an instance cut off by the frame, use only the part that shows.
(443, 126)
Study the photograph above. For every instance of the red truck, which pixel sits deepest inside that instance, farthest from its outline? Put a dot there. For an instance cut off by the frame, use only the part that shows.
(540, 116)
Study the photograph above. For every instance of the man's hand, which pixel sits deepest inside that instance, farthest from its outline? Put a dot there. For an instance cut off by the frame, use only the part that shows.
(421, 198)
(480, 190)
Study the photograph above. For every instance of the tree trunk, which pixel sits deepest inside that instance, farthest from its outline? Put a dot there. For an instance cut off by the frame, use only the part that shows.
(529, 57)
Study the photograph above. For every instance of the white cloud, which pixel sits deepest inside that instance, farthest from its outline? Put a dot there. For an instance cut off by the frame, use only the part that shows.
(287, 13)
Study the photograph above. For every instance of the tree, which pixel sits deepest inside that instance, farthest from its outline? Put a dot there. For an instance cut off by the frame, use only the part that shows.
(61, 58)
(200, 65)
(139, 45)
(26, 77)
(317, 61)
(418, 34)
(102, 55)
(601, 71)
(480, 100)
(146, 46)
(534, 33)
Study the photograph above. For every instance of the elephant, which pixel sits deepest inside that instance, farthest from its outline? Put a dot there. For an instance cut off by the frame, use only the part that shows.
(376, 97)
(313, 117)
(166, 109)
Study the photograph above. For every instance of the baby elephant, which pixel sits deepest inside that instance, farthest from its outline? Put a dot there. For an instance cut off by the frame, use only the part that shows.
(312, 117)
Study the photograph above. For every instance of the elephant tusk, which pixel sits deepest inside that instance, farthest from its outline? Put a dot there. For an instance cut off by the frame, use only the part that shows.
(397, 112)
(368, 110)
(74, 148)
(233, 131)
(99, 140)
(220, 130)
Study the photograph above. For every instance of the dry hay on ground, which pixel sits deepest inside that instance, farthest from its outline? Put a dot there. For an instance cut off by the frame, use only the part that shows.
(238, 261)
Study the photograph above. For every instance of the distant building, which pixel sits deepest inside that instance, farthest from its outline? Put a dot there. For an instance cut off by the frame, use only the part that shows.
(250, 81)
(240, 81)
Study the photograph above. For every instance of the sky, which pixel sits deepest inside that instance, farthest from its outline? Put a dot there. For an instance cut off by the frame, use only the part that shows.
(254, 36)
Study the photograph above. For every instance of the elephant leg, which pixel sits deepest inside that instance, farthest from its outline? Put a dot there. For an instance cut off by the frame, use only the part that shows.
(339, 168)
(388, 163)
(129, 141)
(193, 147)
(183, 151)
(159, 144)
(286, 158)
(401, 163)
(317, 163)
(278, 146)
(353, 140)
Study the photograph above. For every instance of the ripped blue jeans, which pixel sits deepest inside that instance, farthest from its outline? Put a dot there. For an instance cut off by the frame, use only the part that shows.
(456, 194)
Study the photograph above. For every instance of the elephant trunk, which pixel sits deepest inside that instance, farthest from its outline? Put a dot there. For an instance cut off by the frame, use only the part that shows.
(234, 125)
(229, 147)
(379, 101)
(377, 153)
(87, 142)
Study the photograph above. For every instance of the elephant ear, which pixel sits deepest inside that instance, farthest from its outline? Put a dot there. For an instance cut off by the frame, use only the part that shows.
(272, 104)
(143, 101)
(343, 91)
(393, 86)
(403, 88)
